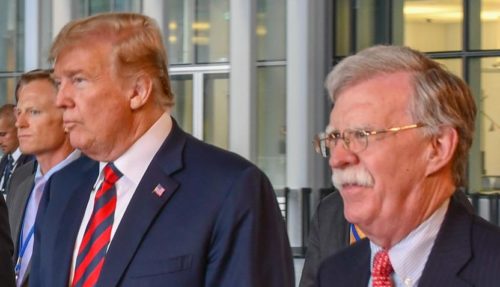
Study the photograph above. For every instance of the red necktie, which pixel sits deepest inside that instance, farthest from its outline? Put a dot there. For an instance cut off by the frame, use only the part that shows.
(382, 269)
(97, 235)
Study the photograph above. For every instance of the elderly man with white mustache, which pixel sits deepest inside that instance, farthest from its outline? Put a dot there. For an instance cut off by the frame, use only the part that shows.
(398, 139)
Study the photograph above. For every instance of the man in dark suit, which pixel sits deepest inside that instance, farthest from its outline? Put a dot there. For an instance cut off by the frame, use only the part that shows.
(41, 133)
(12, 156)
(6, 249)
(167, 209)
(397, 141)
(330, 232)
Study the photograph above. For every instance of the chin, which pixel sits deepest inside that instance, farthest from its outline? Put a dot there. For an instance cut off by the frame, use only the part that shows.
(77, 141)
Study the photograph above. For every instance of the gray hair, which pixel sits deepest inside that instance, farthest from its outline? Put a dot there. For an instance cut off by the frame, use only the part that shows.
(439, 97)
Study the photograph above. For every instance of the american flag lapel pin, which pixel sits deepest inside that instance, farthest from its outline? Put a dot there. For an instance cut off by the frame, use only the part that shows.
(159, 190)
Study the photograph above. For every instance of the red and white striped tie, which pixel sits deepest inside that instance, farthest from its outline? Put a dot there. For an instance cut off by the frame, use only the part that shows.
(382, 269)
(96, 238)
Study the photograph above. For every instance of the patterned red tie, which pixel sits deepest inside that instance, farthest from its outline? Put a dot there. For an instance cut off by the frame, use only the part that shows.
(97, 235)
(382, 269)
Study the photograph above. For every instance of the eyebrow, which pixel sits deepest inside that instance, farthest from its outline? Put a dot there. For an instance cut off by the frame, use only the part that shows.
(329, 129)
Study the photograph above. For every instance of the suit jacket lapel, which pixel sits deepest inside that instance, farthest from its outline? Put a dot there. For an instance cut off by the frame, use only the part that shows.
(144, 207)
(451, 250)
(3, 163)
(361, 261)
(74, 197)
(24, 191)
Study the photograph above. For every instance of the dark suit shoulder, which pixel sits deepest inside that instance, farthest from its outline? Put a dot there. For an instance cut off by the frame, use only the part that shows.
(6, 248)
(213, 156)
(25, 158)
(23, 175)
(74, 170)
(466, 251)
(22, 171)
(348, 267)
(331, 204)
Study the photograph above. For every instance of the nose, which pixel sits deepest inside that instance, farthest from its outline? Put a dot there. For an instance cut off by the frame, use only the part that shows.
(341, 157)
(63, 96)
(21, 120)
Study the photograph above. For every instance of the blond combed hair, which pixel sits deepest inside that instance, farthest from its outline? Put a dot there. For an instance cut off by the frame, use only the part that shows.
(439, 97)
(137, 47)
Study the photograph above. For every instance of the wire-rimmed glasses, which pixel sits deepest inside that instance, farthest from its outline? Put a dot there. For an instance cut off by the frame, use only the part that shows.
(355, 140)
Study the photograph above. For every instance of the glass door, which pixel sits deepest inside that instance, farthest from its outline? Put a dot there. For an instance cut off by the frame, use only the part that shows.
(202, 104)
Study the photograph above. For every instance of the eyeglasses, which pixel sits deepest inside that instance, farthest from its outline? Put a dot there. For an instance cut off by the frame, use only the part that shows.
(355, 140)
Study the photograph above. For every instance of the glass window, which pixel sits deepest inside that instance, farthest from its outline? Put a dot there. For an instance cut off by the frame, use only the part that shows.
(182, 87)
(484, 24)
(12, 35)
(11, 47)
(99, 6)
(484, 74)
(453, 65)
(440, 19)
(270, 30)
(216, 109)
(371, 25)
(7, 88)
(84, 8)
(271, 123)
(127, 5)
(342, 27)
(197, 31)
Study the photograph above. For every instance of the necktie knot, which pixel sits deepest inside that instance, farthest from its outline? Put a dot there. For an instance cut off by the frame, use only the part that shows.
(382, 270)
(111, 174)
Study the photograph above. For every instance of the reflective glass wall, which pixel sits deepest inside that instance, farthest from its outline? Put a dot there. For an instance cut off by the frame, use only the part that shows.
(11, 47)
(271, 89)
(197, 31)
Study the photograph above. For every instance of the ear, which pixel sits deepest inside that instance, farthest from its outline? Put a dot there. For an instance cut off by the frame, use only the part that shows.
(141, 91)
(442, 149)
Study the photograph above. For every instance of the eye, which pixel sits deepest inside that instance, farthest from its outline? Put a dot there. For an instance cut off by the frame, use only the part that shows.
(34, 112)
(78, 80)
(335, 135)
(359, 134)
(57, 83)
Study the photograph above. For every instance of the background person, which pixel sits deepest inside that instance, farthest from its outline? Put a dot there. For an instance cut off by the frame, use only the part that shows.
(12, 156)
(40, 131)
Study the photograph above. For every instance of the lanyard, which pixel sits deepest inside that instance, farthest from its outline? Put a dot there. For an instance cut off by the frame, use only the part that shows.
(24, 245)
(354, 232)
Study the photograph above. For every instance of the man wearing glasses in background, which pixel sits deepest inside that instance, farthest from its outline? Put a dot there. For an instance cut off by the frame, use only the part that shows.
(398, 141)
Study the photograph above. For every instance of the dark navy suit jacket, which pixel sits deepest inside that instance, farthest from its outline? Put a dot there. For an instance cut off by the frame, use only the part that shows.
(466, 253)
(6, 248)
(217, 223)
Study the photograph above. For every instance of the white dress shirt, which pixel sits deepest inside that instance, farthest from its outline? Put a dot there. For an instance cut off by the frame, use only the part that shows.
(15, 156)
(132, 164)
(409, 256)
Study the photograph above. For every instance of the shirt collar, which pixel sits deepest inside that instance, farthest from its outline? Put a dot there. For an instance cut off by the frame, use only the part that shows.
(16, 154)
(134, 162)
(70, 158)
(409, 256)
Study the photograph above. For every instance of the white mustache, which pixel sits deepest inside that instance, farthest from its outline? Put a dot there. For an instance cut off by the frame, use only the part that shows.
(355, 175)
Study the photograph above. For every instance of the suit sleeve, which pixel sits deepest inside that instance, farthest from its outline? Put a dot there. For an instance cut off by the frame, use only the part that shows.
(313, 255)
(6, 248)
(249, 245)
